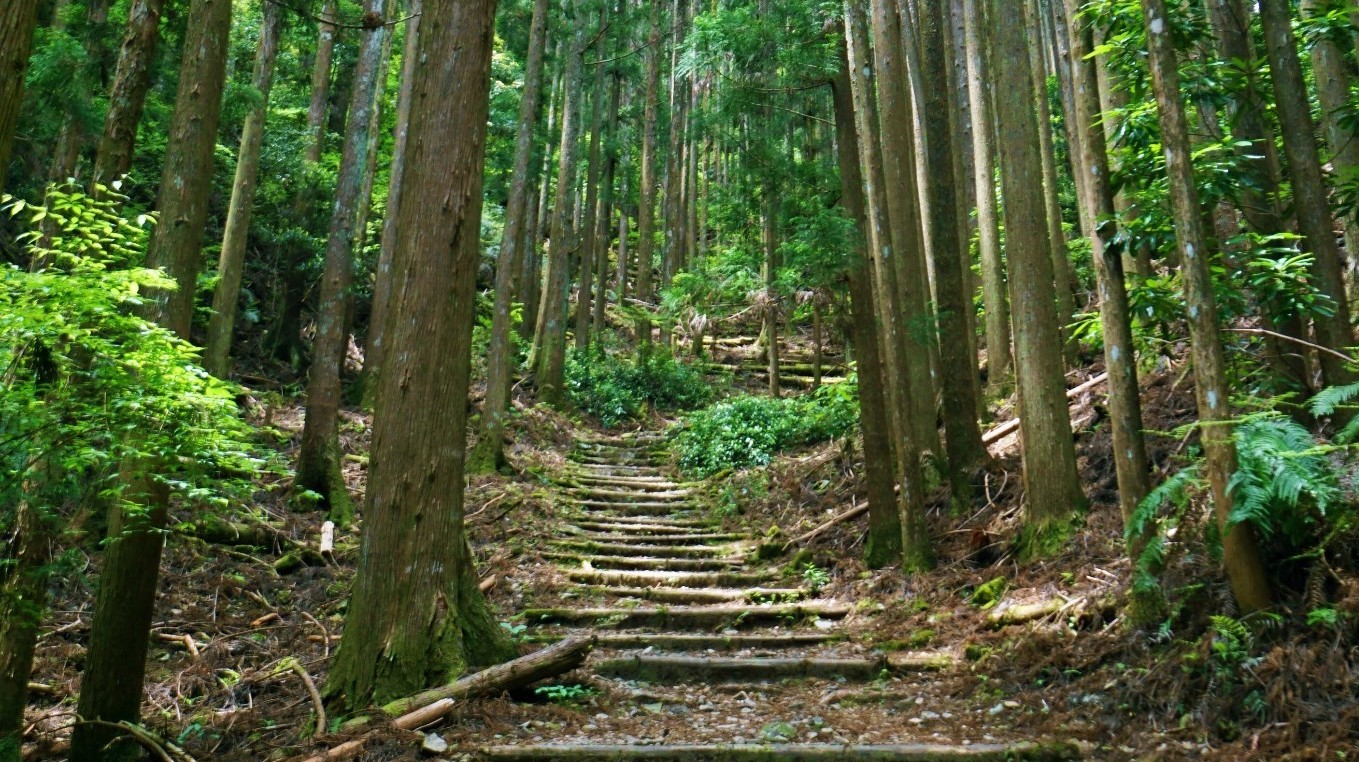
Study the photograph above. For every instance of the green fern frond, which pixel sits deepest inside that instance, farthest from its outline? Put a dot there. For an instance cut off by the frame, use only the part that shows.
(1333, 398)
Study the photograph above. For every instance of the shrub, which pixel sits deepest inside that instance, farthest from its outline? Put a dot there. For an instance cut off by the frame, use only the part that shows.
(748, 431)
(615, 389)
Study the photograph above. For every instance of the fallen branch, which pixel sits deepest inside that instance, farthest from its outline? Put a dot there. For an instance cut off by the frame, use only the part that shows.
(848, 515)
(1294, 339)
(161, 748)
(488, 583)
(301, 671)
(1009, 426)
(343, 751)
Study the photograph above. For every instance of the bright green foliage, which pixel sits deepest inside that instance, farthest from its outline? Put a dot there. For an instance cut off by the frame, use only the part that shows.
(1285, 485)
(615, 389)
(88, 382)
(748, 431)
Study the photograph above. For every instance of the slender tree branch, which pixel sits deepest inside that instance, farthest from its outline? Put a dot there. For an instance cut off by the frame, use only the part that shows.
(1294, 339)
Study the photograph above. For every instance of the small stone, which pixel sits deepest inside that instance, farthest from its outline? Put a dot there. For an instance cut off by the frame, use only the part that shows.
(997, 709)
(1011, 704)
(434, 744)
(602, 716)
(928, 715)
(915, 720)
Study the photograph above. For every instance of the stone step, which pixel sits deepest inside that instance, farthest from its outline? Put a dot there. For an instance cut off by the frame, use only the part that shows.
(618, 495)
(659, 527)
(613, 470)
(671, 641)
(636, 483)
(689, 616)
(682, 525)
(695, 595)
(662, 578)
(622, 549)
(784, 752)
(648, 564)
(696, 538)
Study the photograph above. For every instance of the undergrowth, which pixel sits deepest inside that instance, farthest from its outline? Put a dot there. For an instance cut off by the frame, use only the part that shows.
(616, 389)
(748, 431)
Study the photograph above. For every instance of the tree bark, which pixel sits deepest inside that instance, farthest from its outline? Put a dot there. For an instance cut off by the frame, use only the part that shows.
(594, 175)
(320, 82)
(382, 279)
(1125, 405)
(1052, 485)
(994, 296)
(1309, 193)
(646, 207)
(490, 450)
(318, 459)
(606, 204)
(72, 137)
(1240, 555)
(18, 19)
(217, 350)
(1332, 77)
(550, 333)
(416, 617)
(882, 546)
(128, 96)
(948, 252)
(23, 601)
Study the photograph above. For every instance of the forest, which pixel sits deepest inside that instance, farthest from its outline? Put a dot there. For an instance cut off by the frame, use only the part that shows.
(728, 380)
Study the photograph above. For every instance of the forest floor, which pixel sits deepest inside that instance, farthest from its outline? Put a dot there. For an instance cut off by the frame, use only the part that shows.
(822, 651)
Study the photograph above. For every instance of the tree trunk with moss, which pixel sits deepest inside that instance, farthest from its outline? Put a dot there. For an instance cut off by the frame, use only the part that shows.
(23, 601)
(416, 617)
(1239, 551)
(128, 94)
(18, 18)
(646, 206)
(882, 545)
(319, 458)
(1052, 485)
(221, 324)
(1333, 80)
(490, 450)
(1315, 221)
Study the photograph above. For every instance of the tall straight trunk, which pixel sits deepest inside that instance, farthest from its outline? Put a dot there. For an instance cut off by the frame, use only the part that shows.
(382, 278)
(1053, 14)
(606, 203)
(416, 617)
(1113, 97)
(1332, 77)
(672, 195)
(994, 296)
(18, 19)
(550, 333)
(320, 81)
(542, 220)
(27, 551)
(963, 172)
(1315, 221)
(624, 254)
(917, 551)
(1125, 406)
(318, 459)
(217, 350)
(882, 546)
(1053, 487)
(72, 137)
(1258, 195)
(1239, 552)
(594, 174)
(1061, 263)
(965, 450)
(898, 156)
(115, 662)
(490, 451)
(127, 97)
(365, 208)
(769, 227)
(646, 206)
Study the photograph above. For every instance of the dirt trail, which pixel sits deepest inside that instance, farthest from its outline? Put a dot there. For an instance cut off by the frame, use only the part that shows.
(705, 653)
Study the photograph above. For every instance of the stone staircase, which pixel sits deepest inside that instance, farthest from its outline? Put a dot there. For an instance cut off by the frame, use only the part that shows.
(706, 643)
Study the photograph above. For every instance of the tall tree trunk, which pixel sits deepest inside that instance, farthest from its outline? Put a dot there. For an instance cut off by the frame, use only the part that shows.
(606, 203)
(490, 450)
(550, 334)
(320, 82)
(217, 350)
(994, 296)
(1125, 406)
(23, 600)
(1052, 485)
(382, 279)
(1239, 552)
(318, 459)
(898, 156)
(883, 543)
(769, 235)
(594, 174)
(1332, 77)
(128, 95)
(1061, 264)
(72, 137)
(963, 441)
(18, 19)
(1309, 193)
(533, 263)
(416, 616)
(646, 207)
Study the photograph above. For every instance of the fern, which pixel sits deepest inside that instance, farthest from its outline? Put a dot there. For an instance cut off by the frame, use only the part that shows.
(1284, 483)
(1337, 398)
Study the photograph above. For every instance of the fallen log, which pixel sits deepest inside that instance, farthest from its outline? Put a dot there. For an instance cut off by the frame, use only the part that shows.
(517, 673)
(1020, 613)
(849, 515)
(1004, 429)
